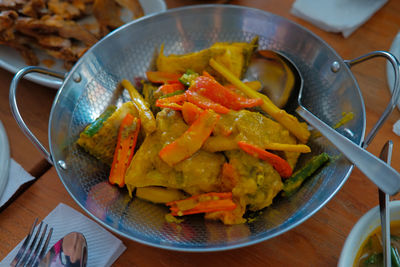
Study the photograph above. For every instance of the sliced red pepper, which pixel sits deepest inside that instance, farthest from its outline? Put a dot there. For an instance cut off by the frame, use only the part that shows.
(171, 87)
(191, 140)
(125, 148)
(203, 203)
(205, 103)
(190, 112)
(210, 88)
(162, 77)
(173, 102)
(279, 164)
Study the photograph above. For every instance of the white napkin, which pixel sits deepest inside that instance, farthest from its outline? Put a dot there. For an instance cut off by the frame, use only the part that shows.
(17, 177)
(103, 247)
(343, 16)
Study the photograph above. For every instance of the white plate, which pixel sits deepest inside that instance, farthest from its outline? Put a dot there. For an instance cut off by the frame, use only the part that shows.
(4, 159)
(12, 61)
(395, 50)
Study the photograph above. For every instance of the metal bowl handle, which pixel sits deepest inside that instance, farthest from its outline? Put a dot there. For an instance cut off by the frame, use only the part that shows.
(14, 107)
(396, 92)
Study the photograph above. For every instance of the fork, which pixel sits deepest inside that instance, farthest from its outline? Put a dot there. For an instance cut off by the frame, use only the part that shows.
(30, 255)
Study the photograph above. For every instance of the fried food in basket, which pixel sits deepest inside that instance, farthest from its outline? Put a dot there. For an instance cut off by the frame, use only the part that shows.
(56, 27)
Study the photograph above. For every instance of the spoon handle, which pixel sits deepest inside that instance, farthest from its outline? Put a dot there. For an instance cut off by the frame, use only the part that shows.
(384, 209)
(381, 174)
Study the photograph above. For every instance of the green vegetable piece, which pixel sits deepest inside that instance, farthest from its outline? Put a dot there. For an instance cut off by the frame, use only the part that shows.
(395, 256)
(292, 184)
(373, 260)
(187, 78)
(95, 126)
(149, 92)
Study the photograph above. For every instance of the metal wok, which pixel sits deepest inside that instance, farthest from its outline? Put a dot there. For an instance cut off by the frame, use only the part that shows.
(128, 52)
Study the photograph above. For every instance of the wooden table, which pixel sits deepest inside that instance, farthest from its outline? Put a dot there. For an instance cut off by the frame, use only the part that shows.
(316, 242)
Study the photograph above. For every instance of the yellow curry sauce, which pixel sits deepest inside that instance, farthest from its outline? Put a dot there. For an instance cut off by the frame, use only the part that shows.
(252, 185)
(258, 182)
(370, 252)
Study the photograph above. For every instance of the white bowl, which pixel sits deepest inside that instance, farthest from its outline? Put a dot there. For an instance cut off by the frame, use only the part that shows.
(363, 228)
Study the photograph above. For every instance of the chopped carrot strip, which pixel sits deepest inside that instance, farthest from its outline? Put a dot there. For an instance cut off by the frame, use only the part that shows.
(206, 74)
(191, 140)
(279, 164)
(171, 87)
(190, 112)
(172, 102)
(204, 102)
(173, 106)
(210, 88)
(203, 203)
(126, 142)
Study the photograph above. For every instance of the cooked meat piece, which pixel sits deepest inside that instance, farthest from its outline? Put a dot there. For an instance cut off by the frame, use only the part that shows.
(34, 8)
(235, 125)
(67, 10)
(71, 29)
(28, 54)
(12, 4)
(134, 6)
(7, 22)
(194, 175)
(79, 4)
(70, 54)
(53, 42)
(107, 13)
(52, 26)
(21, 44)
(93, 28)
(55, 25)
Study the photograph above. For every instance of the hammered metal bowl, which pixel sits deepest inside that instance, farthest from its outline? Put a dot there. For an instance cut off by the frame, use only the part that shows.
(129, 52)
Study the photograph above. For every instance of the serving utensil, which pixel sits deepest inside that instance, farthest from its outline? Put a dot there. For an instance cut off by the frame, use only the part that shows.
(71, 250)
(386, 155)
(384, 176)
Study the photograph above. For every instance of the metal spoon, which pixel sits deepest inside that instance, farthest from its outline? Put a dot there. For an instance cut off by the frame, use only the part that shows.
(384, 176)
(384, 209)
(71, 250)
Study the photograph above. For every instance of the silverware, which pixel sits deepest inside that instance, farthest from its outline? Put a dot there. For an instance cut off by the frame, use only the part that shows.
(4, 159)
(275, 73)
(71, 250)
(384, 176)
(32, 251)
(384, 209)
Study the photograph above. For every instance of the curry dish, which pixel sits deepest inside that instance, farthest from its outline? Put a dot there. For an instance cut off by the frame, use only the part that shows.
(199, 140)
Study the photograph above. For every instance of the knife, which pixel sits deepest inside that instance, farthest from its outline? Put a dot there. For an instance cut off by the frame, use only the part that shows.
(384, 209)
